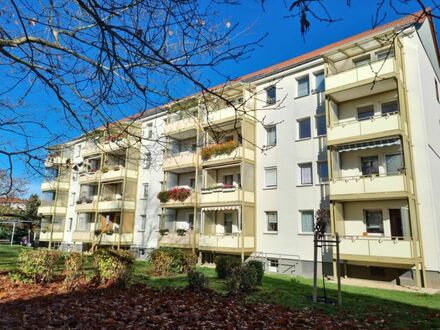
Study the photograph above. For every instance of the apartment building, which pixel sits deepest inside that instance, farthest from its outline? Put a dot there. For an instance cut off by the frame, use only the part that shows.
(350, 128)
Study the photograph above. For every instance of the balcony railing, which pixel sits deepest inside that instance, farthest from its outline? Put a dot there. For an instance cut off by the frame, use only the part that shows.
(370, 184)
(231, 241)
(236, 154)
(175, 197)
(380, 247)
(181, 125)
(355, 129)
(114, 204)
(225, 194)
(173, 239)
(86, 204)
(56, 236)
(54, 184)
(371, 71)
(180, 160)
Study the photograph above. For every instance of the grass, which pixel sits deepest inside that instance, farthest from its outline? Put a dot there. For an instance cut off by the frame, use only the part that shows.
(400, 309)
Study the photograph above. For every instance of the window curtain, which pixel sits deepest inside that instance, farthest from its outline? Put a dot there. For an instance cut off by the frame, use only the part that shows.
(307, 222)
(271, 177)
(393, 163)
(306, 173)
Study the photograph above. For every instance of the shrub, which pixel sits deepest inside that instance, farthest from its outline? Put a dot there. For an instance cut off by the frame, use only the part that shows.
(169, 260)
(114, 267)
(242, 280)
(179, 193)
(258, 266)
(219, 149)
(161, 262)
(197, 281)
(163, 196)
(181, 232)
(74, 269)
(224, 265)
(163, 231)
(38, 265)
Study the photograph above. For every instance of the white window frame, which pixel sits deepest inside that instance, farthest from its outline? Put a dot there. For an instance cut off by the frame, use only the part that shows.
(318, 163)
(145, 188)
(267, 213)
(78, 150)
(143, 222)
(298, 137)
(300, 222)
(149, 130)
(270, 168)
(316, 74)
(69, 224)
(72, 199)
(306, 77)
(270, 100)
(274, 128)
(316, 125)
(300, 178)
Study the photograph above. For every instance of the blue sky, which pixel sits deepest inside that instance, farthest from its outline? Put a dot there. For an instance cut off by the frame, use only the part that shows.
(283, 41)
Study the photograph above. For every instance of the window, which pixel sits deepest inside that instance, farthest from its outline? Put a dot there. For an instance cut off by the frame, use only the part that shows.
(319, 82)
(370, 165)
(70, 224)
(321, 126)
(374, 221)
(271, 135)
(228, 179)
(271, 95)
(437, 95)
(228, 223)
(307, 221)
(78, 150)
(84, 220)
(270, 177)
(149, 130)
(143, 223)
(305, 174)
(145, 191)
(272, 265)
(75, 176)
(393, 163)
(323, 172)
(191, 220)
(304, 131)
(72, 199)
(365, 112)
(385, 54)
(272, 221)
(147, 160)
(303, 86)
(228, 138)
(361, 60)
(389, 107)
(192, 183)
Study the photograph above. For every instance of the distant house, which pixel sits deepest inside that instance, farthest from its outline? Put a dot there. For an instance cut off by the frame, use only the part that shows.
(13, 202)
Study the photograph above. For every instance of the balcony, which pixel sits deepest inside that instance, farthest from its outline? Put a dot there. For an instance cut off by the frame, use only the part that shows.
(180, 197)
(379, 69)
(56, 236)
(356, 130)
(226, 242)
(124, 238)
(358, 187)
(55, 160)
(180, 162)
(381, 249)
(183, 128)
(221, 195)
(88, 177)
(84, 235)
(215, 117)
(118, 144)
(236, 155)
(50, 207)
(118, 173)
(116, 204)
(87, 205)
(173, 239)
(54, 185)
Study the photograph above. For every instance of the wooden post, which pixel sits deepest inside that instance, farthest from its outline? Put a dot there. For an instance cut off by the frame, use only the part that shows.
(338, 270)
(315, 268)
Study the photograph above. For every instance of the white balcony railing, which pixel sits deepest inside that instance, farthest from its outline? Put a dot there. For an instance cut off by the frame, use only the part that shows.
(226, 195)
(174, 239)
(180, 160)
(371, 71)
(232, 241)
(178, 126)
(358, 128)
(386, 247)
(367, 185)
(53, 185)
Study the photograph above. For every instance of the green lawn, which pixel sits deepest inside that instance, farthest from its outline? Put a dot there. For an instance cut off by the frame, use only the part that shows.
(398, 308)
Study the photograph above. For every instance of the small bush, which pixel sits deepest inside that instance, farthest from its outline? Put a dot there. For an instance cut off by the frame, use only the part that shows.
(242, 280)
(179, 193)
(161, 262)
(169, 260)
(114, 267)
(197, 281)
(38, 265)
(224, 265)
(74, 269)
(258, 266)
(163, 196)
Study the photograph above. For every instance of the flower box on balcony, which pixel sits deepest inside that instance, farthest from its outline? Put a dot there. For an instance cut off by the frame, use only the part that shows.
(219, 149)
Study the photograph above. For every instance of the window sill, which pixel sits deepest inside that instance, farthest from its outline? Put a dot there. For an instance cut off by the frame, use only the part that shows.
(320, 136)
(305, 234)
(304, 139)
(302, 96)
(270, 233)
(305, 185)
(270, 188)
(322, 183)
(144, 198)
(317, 91)
(267, 105)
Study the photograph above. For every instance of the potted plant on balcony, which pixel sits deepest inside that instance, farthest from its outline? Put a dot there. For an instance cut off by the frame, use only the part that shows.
(206, 190)
(89, 200)
(217, 188)
(228, 188)
(163, 232)
(181, 232)
(116, 168)
(163, 196)
(79, 201)
(109, 232)
(97, 232)
(180, 193)
(104, 169)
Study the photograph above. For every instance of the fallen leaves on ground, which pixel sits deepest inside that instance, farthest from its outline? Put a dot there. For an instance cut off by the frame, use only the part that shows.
(51, 306)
